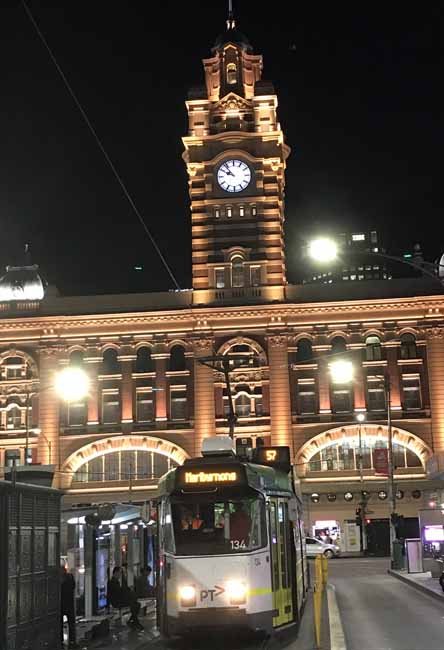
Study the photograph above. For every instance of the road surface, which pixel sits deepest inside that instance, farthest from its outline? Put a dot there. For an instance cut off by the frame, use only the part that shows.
(379, 612)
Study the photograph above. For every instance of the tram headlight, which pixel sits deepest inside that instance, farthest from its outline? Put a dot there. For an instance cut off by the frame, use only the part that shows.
(187, 595)
(236, 592)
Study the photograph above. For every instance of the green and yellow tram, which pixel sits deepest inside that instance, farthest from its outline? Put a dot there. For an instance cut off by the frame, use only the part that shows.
(231, 542)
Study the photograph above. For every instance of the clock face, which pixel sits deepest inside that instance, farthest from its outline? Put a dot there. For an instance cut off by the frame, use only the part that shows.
(234, 176)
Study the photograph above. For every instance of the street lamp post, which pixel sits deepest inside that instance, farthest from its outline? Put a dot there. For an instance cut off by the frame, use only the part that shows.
(391, 478)
(360, 418)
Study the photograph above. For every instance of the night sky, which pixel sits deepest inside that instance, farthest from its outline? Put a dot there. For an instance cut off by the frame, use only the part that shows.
(359, 90)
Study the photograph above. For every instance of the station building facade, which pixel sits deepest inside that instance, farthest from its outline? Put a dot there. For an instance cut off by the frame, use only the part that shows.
(151, 402)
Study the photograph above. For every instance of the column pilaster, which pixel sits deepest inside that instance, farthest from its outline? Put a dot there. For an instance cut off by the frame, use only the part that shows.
(435, 366)
(358, 382)
(92, 361)
(49, 408)
(280, 400)
(324, 385)
(393, 370)
(160, 354)
(126, 364)
(204, 402)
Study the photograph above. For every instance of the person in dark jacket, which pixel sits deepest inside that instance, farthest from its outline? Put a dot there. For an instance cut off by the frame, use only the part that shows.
(142, 585)
(123, 596)
(67, 604)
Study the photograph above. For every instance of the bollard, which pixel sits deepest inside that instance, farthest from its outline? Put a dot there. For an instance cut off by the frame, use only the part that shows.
(320, 583)
(324, 561)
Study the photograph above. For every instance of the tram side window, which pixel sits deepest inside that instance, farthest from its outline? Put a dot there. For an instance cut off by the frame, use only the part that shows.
(219, 527)
(167, 527)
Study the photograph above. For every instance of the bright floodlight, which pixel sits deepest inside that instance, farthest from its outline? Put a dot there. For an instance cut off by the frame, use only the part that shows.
(341, 372)
(72, 384)
(360, 417)
(323, 249)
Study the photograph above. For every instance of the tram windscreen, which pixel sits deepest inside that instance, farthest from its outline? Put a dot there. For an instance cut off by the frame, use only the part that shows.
(219, 527)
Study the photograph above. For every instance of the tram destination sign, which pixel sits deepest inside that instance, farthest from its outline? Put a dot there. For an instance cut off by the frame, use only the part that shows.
(277, 457)
(204, 476)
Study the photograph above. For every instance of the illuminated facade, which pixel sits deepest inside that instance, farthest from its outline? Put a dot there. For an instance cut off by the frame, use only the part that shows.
(151, 403)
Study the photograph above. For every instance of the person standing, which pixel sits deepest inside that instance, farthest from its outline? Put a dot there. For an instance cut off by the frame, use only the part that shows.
(68, 609)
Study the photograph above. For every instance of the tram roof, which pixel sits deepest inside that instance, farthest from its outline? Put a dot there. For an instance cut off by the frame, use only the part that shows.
(267, 480)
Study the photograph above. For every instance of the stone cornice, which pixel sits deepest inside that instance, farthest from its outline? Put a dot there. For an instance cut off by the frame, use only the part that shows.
(222, 317)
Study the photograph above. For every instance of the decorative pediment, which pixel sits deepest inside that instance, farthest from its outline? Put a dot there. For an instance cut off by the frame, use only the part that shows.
(232, 102)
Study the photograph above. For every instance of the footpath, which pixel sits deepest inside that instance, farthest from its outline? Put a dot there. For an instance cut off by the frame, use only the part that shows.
(421, 581)
(119, 636)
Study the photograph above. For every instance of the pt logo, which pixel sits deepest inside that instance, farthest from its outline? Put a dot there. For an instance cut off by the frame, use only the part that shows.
(211, 593)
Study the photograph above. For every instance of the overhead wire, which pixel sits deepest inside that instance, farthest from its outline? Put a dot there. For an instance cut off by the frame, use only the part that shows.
(101, 146)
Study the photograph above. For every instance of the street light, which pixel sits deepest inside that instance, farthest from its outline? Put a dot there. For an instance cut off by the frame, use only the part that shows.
(341, 371)
(325, 249)
(71, 384)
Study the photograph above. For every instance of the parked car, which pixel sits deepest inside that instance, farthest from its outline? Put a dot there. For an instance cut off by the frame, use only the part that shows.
(317, 547)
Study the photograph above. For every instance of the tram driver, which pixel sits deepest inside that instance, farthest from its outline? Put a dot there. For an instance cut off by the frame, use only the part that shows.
(240, 524)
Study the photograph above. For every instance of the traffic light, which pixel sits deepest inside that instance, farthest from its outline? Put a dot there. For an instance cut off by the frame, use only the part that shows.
(358, 518)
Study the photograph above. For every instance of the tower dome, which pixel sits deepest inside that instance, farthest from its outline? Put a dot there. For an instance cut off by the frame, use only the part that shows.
(22, 282)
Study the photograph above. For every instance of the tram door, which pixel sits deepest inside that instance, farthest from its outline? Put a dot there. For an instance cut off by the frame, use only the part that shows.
(281, 569)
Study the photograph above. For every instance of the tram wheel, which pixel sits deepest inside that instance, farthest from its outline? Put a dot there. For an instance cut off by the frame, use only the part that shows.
(441, 581)
(328, 554)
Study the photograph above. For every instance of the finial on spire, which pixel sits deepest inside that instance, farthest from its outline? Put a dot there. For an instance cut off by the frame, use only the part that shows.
(231, 23)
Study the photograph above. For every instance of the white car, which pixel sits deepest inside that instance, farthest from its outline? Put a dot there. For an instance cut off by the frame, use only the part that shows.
(317, 547)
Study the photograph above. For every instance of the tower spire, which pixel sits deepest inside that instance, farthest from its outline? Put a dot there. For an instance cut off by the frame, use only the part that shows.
(231, 23)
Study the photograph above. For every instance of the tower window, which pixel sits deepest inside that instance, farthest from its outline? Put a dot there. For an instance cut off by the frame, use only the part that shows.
(241, 211)
(237, 272)
(217, 212)
(253, 211)
(229, 212)
(220, 278)
(231, 73)
(255, 276)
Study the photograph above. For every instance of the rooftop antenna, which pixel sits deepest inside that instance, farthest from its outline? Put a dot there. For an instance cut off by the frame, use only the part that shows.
(231, 24)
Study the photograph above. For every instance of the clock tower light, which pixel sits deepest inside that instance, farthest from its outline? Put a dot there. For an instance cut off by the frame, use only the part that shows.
(235, 155)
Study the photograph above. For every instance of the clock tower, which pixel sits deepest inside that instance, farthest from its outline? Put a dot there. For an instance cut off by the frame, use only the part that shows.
(235, 155)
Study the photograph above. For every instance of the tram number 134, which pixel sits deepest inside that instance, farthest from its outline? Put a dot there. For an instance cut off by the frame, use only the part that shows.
(238, 544)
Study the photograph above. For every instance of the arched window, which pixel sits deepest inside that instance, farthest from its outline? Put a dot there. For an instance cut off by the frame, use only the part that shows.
(304, 351)
(373, 350)
(344, 455)
(231, 73)
(177, 358)
(110, 363)
(144, 362)
(121, 465)
(408, 346)
(237, 272)
(15, 368)
(338, 345)
(245, 356)
(242, 405)
(76, 358)
(14, 418)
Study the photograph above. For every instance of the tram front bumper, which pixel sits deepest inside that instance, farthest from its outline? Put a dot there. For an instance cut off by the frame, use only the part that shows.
(220, 618)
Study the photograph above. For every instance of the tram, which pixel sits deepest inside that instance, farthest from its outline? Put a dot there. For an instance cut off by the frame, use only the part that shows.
(231, 542)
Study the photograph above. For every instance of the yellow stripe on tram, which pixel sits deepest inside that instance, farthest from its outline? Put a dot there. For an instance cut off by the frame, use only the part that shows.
(262, 591)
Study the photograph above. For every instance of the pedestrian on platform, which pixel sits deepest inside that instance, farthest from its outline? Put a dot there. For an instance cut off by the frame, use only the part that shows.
(68, 609)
